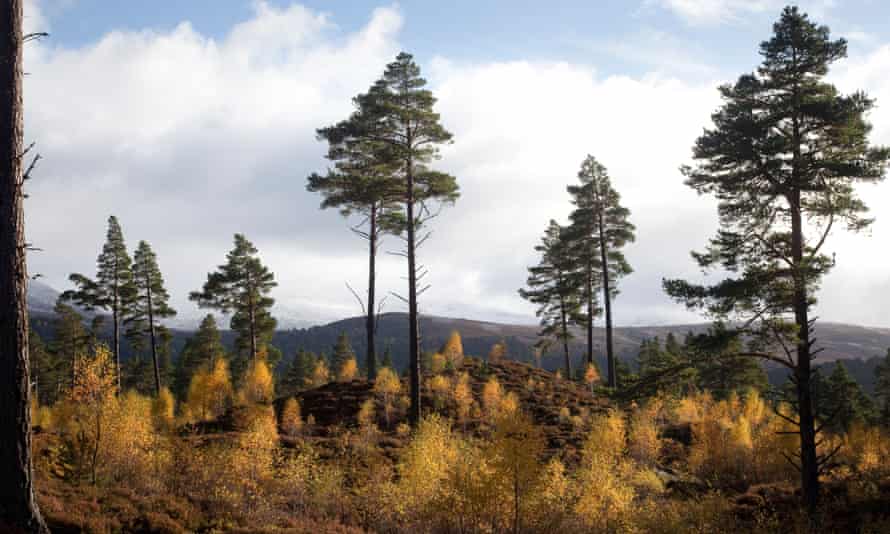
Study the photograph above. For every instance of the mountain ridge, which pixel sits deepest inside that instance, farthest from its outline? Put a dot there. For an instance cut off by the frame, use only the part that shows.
(841, 341)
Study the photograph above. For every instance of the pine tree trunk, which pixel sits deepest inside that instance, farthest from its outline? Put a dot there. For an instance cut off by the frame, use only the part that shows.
(116, 330)
(251, 311)
(607, 300)
(809, 462)
(18, 509)
(371, 357)
(413, 334)
(151, 333)
(565, 340)
(590, 311)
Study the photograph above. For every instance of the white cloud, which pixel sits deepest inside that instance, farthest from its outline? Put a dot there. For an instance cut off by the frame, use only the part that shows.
(189, 139)
(710, 12)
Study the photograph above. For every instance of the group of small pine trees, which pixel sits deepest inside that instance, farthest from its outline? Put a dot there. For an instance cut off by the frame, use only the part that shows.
(132, 292)
(580, 266)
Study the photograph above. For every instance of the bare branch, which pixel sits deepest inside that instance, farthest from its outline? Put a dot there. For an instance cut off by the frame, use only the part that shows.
(27, 174)
(400, 297)
(358, 298)
(790, 460)
(786, 418)
(36, 36)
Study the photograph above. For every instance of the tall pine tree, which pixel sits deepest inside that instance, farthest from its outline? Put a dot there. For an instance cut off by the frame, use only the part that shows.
(782, 158)
(600, 228)
(552, 288)
(583, 253)
(363, 182)
(113, 289)
(242, 286)
(408, 132)
(18, 507)
(150, 305)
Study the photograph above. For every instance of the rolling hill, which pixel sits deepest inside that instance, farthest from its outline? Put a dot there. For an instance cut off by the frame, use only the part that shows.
(841, 341)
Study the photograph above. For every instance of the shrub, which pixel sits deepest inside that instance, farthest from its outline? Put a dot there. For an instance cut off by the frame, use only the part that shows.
(387, 386)
(604, 475)
(210, 391)
(491, 398)
(259, 385)
(440, 387)
(291, 423)
(163, 408)
(463, 396)
(644, 444)
(320, 374)
(348, 371)
(366, 414)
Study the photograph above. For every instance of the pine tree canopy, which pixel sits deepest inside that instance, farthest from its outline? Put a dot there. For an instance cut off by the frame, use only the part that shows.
(397, 115)
(341, 352)
(552, 288)
(151, 300)
(783, 141)
(599, 218)
(113, 288)
(241, 286)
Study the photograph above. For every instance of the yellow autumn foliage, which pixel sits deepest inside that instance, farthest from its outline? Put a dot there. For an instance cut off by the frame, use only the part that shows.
(453, 350)
(348, 371)
(737, 440)
(86, 412)
(644, 445)
(210, 391)
(426, 463)
(440, 387)
(387, 383)
(388, 387)
(498, 352)
(367, 413)
(437, 363)
(163, 409)
(604, 474)
(492, 394)
(259, 384)
(320, 375)
(291, 423)
(463, 396)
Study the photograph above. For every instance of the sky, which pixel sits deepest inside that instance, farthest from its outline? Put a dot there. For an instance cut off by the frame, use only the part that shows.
(191, 121)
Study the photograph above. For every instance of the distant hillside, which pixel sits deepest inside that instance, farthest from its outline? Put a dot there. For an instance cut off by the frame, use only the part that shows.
(841, 341)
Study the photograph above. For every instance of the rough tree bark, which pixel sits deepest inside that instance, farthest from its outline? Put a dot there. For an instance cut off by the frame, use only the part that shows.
(18, 509)
(607, 300)
(371, 358)
(413, 333)
(151, 331)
